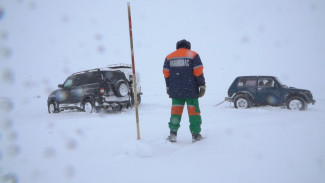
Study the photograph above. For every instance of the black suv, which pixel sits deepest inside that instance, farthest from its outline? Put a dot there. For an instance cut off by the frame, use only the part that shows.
(246, 91)
(92, 90)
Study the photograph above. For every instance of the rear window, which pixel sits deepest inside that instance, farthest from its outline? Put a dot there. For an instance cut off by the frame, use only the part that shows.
(114, 75)
(247, 82)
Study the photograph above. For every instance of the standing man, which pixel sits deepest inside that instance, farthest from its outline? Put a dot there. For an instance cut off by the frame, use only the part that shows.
(183, 72)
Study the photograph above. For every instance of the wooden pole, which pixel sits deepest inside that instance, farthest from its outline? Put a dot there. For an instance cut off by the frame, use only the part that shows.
(134, 75)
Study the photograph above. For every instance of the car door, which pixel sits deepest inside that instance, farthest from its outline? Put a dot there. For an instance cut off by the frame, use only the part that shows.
(267, 93)
(247, 85)
(63, 95)
(85, 84)
(77, 91)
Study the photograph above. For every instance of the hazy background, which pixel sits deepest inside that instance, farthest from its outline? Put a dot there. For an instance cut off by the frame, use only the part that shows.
(42, 42)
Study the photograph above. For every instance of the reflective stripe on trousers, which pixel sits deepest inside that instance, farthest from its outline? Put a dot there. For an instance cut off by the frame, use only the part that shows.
(193, 110)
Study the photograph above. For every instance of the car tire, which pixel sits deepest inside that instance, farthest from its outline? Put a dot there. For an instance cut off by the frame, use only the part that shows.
(88, 106)
(296, 103)
(242, 102)
(52, 107)
(121, 88)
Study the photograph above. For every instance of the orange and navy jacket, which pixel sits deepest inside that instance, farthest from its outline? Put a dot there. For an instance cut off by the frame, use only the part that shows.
(183, 72)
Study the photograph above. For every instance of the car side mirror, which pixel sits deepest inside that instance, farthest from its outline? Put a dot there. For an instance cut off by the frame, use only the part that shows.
(60, 85)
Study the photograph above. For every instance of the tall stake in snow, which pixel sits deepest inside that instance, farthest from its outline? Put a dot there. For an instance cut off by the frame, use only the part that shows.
(134, 76)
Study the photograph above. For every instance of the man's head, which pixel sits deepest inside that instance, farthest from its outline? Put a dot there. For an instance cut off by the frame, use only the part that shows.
(183, 44)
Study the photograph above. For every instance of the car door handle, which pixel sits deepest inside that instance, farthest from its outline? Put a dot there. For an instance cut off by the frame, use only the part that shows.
(259, 88)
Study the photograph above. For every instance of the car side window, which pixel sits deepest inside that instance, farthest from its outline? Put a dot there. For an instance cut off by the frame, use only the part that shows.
(79, 79)
(68, 83)
(265, 82)
(94, 77)
(247, 82)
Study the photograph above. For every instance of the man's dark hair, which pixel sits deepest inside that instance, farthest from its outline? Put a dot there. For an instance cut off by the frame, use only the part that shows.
(183, 44)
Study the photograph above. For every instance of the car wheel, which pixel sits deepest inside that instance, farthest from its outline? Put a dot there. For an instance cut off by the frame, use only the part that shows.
(52, 108)
(296, 103)
(88, 106)
(121, 88)
(242, 103)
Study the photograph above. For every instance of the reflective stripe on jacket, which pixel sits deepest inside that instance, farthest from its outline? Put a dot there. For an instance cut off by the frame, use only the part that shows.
(183, 72)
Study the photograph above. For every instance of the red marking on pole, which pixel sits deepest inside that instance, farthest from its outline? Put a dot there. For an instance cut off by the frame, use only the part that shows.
(134, 77)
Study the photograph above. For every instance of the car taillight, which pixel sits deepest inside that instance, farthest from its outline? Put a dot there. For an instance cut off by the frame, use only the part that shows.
(102, 91)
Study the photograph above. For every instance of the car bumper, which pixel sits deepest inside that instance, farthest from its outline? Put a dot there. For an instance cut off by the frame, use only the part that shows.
(229, 99)
(313, 101)
(111, 99)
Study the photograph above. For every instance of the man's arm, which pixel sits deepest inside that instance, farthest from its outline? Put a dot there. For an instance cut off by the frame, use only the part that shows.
(166, 72)
(198, 70)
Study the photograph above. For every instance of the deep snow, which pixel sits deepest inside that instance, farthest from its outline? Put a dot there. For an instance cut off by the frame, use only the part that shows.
(42, 42)
(267, 144)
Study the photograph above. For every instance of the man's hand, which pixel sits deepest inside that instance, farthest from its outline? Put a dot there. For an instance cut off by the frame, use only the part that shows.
(201, 91)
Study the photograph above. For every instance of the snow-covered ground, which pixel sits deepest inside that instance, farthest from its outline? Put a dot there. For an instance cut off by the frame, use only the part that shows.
(43, 42)
(267, 144)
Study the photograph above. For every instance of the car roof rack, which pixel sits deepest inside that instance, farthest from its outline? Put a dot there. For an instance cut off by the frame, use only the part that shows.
(112, 66)
(119, 66)
(90, 70)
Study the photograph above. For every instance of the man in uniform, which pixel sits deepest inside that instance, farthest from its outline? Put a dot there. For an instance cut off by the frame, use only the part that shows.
(185, 82)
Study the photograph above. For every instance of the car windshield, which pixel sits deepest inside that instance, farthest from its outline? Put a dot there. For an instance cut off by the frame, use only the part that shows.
(280, 82)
